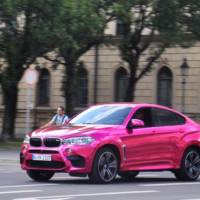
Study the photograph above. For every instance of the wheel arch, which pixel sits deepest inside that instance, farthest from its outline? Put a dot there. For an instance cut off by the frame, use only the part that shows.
(194, 146)
(113, 147)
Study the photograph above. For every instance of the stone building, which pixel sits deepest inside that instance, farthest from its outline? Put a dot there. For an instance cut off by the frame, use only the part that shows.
(103, 78)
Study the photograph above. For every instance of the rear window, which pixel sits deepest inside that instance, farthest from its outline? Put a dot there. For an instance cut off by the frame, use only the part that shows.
(165, 117)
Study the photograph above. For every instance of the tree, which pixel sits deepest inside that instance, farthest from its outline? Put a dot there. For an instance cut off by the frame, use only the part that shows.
(25, 34)
(190, 17)
(148, 27)
(81, 27)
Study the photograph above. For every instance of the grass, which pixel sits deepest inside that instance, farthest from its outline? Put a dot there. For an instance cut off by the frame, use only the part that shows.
(11, 144)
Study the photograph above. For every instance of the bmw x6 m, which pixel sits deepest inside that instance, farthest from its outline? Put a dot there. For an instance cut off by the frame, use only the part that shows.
(115, 139)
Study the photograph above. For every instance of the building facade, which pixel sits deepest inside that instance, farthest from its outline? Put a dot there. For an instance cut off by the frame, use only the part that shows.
(103, 78)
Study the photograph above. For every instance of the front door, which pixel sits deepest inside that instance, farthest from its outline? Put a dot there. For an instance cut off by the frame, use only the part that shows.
(151, 146)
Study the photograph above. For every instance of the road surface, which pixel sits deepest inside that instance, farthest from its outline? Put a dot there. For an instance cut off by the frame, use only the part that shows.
(16, 185)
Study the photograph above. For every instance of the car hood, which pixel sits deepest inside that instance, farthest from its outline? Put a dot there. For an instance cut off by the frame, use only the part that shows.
(73, 131)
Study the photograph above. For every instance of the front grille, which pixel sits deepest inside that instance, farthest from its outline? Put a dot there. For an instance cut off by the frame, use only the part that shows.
(52, 142)
(36, 142)
(43, 151)
(46, 164)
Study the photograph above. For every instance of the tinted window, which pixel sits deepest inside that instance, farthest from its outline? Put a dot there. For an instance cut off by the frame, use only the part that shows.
(102, 115)
(180, 119)
(164, 117)
(144, 114)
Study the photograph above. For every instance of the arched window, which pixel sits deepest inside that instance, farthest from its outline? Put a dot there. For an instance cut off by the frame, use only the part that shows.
(82, 88)
(164, 87)
(43, 88)
(121, 82)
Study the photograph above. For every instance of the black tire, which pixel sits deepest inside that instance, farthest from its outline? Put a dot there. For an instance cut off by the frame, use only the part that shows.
(190, 166)
(130, 175)
(40, 175)
(105, 166)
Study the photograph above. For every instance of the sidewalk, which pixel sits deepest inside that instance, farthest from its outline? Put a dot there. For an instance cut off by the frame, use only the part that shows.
(8, 155)
(11, 144)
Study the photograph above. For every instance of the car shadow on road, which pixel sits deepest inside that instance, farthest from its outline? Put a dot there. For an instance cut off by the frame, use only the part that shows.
(139, 180)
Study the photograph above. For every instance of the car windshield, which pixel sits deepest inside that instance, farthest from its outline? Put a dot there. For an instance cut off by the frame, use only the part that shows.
(110, 115)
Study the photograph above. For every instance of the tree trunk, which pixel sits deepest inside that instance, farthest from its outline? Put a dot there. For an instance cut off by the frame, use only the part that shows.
(69, 89)
(130, 90)
(10, 111)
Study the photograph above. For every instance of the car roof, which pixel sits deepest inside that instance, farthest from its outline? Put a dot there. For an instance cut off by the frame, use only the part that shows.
(132, 104)
(139, 105)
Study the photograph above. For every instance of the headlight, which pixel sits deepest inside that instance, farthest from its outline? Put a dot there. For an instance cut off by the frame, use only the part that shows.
(78, 140)
(27, 139)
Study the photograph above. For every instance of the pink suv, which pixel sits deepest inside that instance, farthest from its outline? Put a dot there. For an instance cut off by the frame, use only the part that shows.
(110, 139)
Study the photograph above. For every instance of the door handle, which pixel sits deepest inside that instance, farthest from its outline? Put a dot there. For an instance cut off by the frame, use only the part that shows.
(181, 131)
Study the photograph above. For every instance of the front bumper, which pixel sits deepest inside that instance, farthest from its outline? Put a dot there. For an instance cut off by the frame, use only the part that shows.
(70, 159)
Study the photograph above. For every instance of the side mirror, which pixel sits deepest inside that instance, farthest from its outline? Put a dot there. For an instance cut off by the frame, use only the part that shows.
(136, 123)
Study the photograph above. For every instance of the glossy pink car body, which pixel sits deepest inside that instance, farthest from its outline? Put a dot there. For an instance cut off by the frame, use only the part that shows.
(137, 149)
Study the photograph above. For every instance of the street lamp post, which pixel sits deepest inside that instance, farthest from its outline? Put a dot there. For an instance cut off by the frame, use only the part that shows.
(184, 73)
(30, 78)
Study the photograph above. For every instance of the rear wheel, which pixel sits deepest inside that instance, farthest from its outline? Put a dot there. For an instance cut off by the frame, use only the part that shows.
(105, 166)
(40, 175)
(190, 166)
(128, 175)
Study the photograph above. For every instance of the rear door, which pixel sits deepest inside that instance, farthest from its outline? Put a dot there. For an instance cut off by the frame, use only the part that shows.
(170, 127)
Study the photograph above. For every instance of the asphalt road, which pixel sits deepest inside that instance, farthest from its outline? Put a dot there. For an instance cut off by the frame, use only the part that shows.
(16, 185)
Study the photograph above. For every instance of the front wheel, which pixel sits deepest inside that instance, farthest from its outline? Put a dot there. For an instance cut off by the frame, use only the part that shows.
(190, 166)
(40, 175)
(105, 166)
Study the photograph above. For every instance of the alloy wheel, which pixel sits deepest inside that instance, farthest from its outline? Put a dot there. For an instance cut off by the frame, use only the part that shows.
(107, 166)
(192, 164)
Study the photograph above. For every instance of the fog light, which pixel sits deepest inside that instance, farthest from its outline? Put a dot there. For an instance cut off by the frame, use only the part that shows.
(77, 161)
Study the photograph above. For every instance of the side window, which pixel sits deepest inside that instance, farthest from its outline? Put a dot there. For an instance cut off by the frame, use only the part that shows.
(180, 120)
(144, 114)
(165, 117)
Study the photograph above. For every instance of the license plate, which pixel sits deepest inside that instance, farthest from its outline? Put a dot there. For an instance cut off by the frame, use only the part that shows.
(41, 157)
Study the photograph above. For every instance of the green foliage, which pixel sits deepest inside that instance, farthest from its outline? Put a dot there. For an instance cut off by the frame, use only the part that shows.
(148, 26)
(81, 27)
(190, 17)
(82, 24)
(26, 29)
(26, 32)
